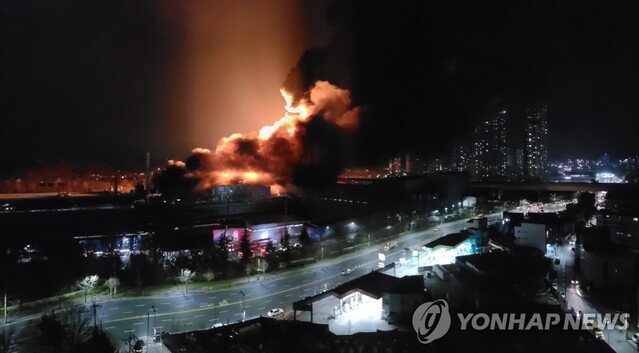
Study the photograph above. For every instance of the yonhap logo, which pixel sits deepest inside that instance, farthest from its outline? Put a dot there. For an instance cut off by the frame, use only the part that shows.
(431, 321)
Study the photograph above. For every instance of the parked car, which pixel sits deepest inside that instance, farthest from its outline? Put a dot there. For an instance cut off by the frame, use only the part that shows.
(346, 272)
(635, 338)
(138, 347)
(160, 336)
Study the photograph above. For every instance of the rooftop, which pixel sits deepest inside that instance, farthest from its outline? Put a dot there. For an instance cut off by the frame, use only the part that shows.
(450, 240)
(373, 284)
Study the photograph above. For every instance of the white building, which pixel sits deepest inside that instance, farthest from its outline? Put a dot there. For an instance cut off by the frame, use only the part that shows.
(469, 201)
(531, 235)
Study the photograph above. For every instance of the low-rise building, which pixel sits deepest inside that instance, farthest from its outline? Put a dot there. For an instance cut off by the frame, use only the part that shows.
(610, 267)
(622, 225)
(531, 235)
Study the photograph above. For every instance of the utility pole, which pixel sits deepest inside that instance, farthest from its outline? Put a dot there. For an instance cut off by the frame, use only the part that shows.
(6, 254)
(5, 295)
(94, 307)
(147, 174)
(243, 306)
(115, 183)
(148, 316)
(5, 298)
(155, 325)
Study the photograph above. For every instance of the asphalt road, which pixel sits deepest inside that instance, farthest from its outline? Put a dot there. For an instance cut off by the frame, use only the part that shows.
(201, 309)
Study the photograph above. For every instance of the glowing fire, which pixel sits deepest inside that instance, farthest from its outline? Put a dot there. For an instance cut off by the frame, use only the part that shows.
(294, 114)
(268, 157)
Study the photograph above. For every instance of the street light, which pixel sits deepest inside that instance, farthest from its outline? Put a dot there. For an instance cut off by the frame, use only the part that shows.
(148, 319)
(155, 325)
(243, 306)
(148, 315)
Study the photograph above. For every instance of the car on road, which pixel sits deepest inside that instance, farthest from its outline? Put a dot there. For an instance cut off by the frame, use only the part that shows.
(635, 338)
(599, 334)
(275, 312)
(554, 286)
(390, 245)
(563, 295)
(437, 229)
(346, 272)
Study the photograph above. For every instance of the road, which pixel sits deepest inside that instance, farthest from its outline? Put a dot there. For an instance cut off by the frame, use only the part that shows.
(200, 310)
(575, 299)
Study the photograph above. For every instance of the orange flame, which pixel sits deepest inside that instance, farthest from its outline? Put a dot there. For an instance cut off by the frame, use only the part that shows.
(269, 156)
(294, 114)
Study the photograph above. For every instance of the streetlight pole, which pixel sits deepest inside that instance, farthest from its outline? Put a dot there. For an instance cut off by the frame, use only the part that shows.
(148, 315)
(243, 306)
(5, 294)
(155, 325)
(325, 285)
(94, 307)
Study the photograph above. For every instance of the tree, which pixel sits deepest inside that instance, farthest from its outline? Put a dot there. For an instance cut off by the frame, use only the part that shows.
(285, 241)
(99, 342)
(142, 269)
(586, 202)
(87, 284)
(209, 275)
(285, 244)
(186, 276)
(245, 248)
(271, 256)
(51, 330)
(77, 326)
(223, 247)
(262, 266)
(113, 283)
(71, 332)
(305, 239)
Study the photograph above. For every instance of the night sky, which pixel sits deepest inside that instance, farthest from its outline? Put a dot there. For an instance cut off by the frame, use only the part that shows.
(108, 80)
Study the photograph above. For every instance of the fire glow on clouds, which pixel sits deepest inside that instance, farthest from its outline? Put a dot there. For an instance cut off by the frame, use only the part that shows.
(269, 156)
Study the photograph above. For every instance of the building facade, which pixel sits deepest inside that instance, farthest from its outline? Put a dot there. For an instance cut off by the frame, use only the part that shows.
(536, 144)
(531, 235)
(490, 153)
